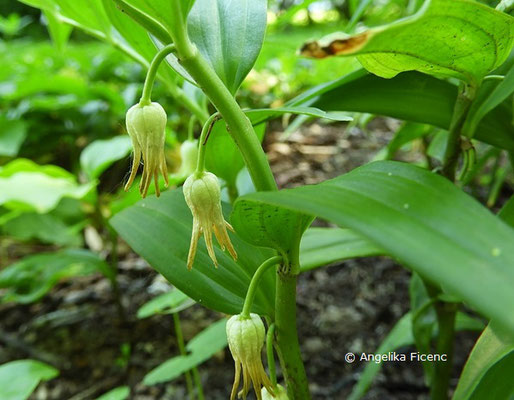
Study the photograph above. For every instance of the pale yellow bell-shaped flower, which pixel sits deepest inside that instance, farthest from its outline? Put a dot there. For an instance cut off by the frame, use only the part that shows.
(280, 394)
(146, 126)
(203, 196)
(245, 337)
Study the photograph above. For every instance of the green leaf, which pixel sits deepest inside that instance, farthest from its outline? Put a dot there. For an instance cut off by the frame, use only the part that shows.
(322, 246)
(408, 132)
(12, 135)
(222, 157)
(400, 98)
(507, 212)
(489, 369)
(229, 34)
(269, 226)
(44, 227)
(460, 38)
(27, 186)
(100, 154)
(119, 393)
(159, 230)
(31, 278)
(424, 321)
(167, 303)
(202, 347)
(58, 31)
(409, 212)
(479, 109)
(18, 379)
(258, 116)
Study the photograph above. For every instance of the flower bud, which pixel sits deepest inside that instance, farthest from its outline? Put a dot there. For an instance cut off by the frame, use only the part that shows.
(146, 125)
(202, 194)
(245, 337)
(189, 156)
(280, 394)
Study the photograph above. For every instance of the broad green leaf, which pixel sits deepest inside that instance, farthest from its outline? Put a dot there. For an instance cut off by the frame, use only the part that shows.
(27, 186)
(222, 157)
(44, 227)
(489, 369)
(401, 336)
(409, 212)
(269, 226)
(159, 230)
(459, 38)
(100, 154)
(85, 14)
(400, 98)
(202, 347)
(229, 33)
(167, 303)
(31, 278)
(322, 246)
(12, 135)
(119, 393)
(18, 379)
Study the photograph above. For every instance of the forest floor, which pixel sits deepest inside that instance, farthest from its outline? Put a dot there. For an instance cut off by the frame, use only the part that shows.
(347, 307)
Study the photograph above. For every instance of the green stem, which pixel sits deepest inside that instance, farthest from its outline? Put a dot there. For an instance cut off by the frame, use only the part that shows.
(271, 357)
(446, 313)
(147, 22)
(240, 127)
(287, 338)
(182, 349)
(198, 384)
(494, 77)
(152, 72)
(460, 112)
(191, 128)
(254, 283)
(206, 130)
(243, 134)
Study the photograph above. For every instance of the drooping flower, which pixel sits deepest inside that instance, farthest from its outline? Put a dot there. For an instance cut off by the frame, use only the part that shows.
(245, 336)
(203, 196)
(280, 394)
(146, 124)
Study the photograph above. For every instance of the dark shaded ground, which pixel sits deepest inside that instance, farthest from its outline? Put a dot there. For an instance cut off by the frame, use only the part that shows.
(350, 306)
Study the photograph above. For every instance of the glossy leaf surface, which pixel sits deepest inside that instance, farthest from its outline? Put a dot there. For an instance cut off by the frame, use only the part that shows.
(229, 33)
(408, 212)
(399, 98)
(322, 246)
(459, 38)
(19, 378)
(100, 154)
